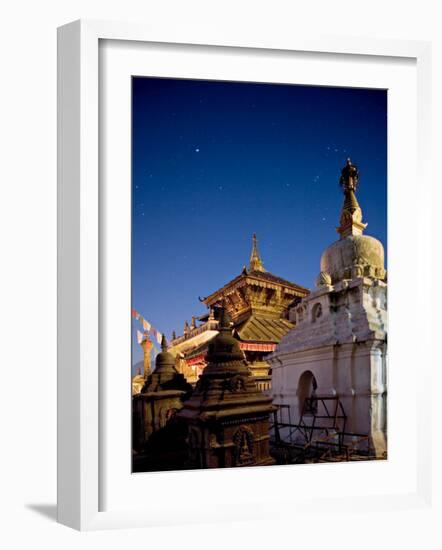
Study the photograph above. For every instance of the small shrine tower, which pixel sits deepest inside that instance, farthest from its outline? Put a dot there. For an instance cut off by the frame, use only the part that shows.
(227, 416)
(160, 398)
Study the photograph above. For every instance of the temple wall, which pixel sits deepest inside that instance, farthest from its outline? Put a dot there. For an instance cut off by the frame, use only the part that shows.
(345, 350)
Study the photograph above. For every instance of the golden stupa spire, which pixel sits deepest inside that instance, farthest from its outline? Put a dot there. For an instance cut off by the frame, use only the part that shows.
(351, 214)
(255, 259)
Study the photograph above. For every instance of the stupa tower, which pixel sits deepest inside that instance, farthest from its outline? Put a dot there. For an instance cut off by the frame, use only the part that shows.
(338, 347)
(354, 254)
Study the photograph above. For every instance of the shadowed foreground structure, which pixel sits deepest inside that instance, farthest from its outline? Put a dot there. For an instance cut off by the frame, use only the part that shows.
(227, 416)
(225, 422)
(160, 398)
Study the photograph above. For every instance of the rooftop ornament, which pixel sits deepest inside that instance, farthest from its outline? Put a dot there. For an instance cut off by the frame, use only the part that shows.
(255, 258)
(351, 215)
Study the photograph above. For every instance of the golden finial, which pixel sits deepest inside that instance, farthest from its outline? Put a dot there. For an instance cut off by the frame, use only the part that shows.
(255, 259)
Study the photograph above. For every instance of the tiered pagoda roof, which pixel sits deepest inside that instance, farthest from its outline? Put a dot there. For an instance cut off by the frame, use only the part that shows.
(258, 328)
(256, 291)
(257, 302)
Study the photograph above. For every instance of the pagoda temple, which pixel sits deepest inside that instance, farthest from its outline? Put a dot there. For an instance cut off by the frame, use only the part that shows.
(258, 303)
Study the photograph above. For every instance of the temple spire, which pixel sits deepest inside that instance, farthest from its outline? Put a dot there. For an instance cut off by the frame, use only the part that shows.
(146, 345)
(224, 348)
(165, 361)
(163, 343)
(351, 214)
(255, 259)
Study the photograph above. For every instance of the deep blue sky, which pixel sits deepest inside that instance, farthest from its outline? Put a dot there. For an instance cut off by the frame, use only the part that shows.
(214, 162)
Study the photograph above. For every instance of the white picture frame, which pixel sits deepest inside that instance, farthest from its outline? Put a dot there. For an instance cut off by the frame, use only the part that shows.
(79, 274)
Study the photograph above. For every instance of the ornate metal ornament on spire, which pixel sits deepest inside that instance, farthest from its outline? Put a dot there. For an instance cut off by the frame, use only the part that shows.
(351, 214)
(349, 176)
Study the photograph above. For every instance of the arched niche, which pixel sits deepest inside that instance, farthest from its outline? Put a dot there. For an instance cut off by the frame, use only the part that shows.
(306, 388)
(316, 312)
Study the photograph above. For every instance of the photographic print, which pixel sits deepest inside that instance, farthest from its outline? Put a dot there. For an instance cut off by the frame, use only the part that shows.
(259, 282)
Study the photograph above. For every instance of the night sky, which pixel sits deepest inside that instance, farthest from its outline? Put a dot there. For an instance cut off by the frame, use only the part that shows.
(214, 162)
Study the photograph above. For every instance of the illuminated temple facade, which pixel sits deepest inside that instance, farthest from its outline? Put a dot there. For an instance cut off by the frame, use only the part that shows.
(258, 303)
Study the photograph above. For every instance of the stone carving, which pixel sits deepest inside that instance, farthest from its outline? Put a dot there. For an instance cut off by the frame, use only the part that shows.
(316, 312)
(237, 384)
(323, 279)
(243, 441)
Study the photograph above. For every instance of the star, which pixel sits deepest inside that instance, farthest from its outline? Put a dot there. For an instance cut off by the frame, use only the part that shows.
(197, 150)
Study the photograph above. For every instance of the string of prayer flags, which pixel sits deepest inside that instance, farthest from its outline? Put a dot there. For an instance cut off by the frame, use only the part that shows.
(156, 334)
(135, 314)
(147, 327)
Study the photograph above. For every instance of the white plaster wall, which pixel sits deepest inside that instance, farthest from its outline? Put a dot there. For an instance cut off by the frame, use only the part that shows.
(345, 349)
